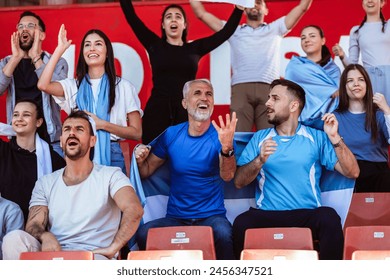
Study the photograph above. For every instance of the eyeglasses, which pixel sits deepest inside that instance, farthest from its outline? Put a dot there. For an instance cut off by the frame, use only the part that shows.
(28, 26)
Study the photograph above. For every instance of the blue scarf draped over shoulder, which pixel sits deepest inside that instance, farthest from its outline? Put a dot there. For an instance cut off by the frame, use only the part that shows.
(319, 84)
(86, 101)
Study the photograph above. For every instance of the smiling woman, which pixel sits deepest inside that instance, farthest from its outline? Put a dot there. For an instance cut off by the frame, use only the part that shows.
(174, 61)
(28, 151)
(111, 102)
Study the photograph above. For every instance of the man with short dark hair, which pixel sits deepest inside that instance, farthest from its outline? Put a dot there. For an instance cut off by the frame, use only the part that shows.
(287, 160)
(21, 70)
(92, 207)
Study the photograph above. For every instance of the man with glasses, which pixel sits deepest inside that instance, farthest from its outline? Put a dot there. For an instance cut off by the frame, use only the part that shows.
(21, 70)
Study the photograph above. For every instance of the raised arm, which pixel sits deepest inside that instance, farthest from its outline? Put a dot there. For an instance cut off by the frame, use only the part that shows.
(225, 130)
(209, 19)
(380, 100)
(144, 34)
(45, 82)
(209, 43)
(347, 164)
(128, 202)
(248, 172)
(296, 13)
(36, 225)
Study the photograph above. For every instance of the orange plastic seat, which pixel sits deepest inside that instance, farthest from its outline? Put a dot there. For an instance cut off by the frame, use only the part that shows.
(57, 255)
(278, 238)
(365, 238)
(182, 238)
(278, 254)
(125, 147)
(166, 255)
(368, 209)
(371, 255)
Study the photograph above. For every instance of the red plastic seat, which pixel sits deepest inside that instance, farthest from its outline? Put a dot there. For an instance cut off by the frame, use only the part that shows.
(278, 254)
(182, 238)
(278, 238)
(366, 238)
(57, 255)
(166, 255)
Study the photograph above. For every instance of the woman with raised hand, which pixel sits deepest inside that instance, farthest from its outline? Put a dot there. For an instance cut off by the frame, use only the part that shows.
(371, 41)
(112, 102)
(174, 61)
(317, 74)
(27, 156)
(364, 122)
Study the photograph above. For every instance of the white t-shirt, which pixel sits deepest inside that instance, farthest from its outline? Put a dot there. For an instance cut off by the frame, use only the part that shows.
(83, 216)
(126, 100)
(255, 52)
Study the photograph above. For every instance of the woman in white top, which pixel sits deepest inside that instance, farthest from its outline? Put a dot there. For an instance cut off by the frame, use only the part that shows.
(371, 40)
(112, 102)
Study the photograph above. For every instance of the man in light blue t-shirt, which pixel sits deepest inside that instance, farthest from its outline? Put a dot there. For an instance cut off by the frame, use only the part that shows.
(200, 157)
(286, 160)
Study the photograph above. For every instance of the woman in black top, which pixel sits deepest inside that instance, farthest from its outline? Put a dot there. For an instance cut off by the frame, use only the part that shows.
(174, 61)
(18, 158)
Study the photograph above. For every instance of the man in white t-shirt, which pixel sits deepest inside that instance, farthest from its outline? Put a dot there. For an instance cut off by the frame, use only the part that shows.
(255, 58)
(84, 206)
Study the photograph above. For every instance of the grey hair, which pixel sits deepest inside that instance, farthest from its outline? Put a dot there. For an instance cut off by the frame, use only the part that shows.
(187, 85)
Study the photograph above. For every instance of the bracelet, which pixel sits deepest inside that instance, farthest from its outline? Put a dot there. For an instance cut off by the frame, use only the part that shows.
(338, 144)
(36, 60)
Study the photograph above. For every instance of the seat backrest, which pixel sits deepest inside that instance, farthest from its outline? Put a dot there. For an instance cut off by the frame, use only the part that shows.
(278, 254)
(371, 255)
(57, 255)
(368, 209)
(166, 255)
(278, 238)
(182, 238)
(365, 238)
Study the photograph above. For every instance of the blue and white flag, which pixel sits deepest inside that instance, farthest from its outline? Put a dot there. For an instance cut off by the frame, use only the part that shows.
(154, 191)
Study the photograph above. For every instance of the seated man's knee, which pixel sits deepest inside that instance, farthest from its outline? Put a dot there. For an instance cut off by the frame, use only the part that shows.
(328, 217)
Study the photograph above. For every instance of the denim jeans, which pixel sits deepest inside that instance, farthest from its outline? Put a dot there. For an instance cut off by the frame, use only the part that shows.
(117, 158)
(222, 231)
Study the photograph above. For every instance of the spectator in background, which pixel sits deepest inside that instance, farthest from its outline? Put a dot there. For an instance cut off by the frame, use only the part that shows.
(27, 156)
(255, 48)
(21, 70)
(371, 41)
(364, 123)
(11, 218)
(197, 175)
(174, 61)
(292, 199)
(317, 74)
(84, 206)
(111, 101)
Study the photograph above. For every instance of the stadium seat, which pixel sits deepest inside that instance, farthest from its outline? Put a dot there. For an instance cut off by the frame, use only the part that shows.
(371, 255)
(278, 238)
(182, 238)
(365, 238)
(278, 254)
(166, 255)
(369, 209)
(57, 255)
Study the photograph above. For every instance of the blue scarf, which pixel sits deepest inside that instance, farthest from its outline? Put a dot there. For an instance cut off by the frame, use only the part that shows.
(85, 101)
(319, 84)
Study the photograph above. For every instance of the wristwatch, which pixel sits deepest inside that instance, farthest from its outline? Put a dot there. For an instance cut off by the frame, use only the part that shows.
(230, 153)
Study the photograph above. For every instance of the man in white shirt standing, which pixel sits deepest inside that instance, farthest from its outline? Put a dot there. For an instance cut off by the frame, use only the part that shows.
(255, 56)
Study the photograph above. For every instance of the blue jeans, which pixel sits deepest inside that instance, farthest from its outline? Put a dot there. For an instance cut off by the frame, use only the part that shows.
(57, 148)
(222, 231)
(117, 158)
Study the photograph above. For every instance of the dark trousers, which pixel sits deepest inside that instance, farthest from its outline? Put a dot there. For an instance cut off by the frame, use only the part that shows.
(324, 223)
(373, 177)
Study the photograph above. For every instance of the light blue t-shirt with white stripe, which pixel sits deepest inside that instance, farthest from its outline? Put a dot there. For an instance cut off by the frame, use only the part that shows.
(290, 177)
